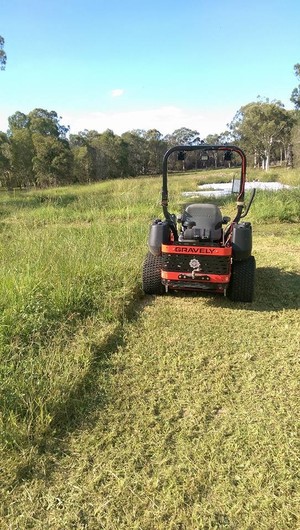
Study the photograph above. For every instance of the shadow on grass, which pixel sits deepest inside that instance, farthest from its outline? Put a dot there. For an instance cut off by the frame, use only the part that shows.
(81, 406)
(275, 289)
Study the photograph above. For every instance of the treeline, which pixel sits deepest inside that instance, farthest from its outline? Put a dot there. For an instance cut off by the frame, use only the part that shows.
(37, 150)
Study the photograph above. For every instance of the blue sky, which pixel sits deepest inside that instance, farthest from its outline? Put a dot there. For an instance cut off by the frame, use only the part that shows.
(165, 64)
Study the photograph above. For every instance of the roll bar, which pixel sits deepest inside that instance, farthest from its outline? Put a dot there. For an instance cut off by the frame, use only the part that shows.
(203, 147)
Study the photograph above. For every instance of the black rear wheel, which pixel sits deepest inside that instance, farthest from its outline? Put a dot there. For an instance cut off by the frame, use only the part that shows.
(241, 287)
(152, 275)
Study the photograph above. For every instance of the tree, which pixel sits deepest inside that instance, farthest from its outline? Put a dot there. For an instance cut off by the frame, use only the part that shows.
(84, 155)
(82, 171)
(156, 147)
(22, 153)
(138, 156)
(183, 136)
(52, 161)
(214, 139)
(40, 153)
(3, 56)
(296, 140)
(17, 121)
(46, 123)
(104, 152)
(259, 126)
(4, 159)
(295, 97)
(41, 121)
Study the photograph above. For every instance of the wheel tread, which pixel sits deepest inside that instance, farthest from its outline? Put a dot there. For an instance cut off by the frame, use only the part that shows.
(241, 287)
(152, 274)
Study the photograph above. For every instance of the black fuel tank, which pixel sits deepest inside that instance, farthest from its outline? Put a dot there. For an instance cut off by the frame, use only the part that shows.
(241, 241)
(159, 234)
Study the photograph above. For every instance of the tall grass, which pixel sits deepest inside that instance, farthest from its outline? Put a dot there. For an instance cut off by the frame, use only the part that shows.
(70, 267)
(66, 255)
(284, 175)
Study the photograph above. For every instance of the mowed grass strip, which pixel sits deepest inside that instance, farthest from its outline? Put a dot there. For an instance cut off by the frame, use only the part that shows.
(121, 412)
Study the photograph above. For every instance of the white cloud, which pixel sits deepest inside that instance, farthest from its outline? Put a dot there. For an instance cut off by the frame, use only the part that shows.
(117, 92)
(166, 119)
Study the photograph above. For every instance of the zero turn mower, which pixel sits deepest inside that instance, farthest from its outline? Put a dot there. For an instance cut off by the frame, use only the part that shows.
(201, 250)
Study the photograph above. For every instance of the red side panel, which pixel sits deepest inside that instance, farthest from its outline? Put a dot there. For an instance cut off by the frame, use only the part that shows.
(197, 277)
(186, 250)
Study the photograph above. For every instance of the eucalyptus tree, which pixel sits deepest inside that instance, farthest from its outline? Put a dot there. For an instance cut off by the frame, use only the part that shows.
(3, 56)
(138, 155)
(184, 136)
(100, 156)
(156, 147)
(84, 156)
(214, 139)
(295, 97)
(21, 150)
(22, 154)
(296, 140)
(5, 163)
(260, 126)
(17, 121)
(40, 151)
(46, 123)
(52, 160)
(111, 155)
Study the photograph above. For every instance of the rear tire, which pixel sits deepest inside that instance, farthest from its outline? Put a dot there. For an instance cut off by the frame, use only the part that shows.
(241, 287)
(152, 275)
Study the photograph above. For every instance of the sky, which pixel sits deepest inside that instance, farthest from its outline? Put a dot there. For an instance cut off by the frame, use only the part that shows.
(147, 64)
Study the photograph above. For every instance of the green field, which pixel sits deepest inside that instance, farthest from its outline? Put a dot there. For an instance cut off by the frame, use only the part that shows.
(124, 411)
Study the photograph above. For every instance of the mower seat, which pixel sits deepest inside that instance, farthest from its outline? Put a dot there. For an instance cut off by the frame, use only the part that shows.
(202, 222)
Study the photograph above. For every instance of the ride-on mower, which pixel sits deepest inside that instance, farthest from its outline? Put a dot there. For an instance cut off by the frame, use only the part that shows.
(201, 250)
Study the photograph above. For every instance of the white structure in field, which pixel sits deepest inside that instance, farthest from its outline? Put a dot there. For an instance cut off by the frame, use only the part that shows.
(224, 188)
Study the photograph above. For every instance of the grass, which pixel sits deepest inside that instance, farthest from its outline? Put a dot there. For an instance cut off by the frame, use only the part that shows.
(121, 411)
(284, 175)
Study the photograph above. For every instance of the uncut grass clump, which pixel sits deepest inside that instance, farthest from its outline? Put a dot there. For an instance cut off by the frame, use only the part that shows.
(281, 206)
(67, 256)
